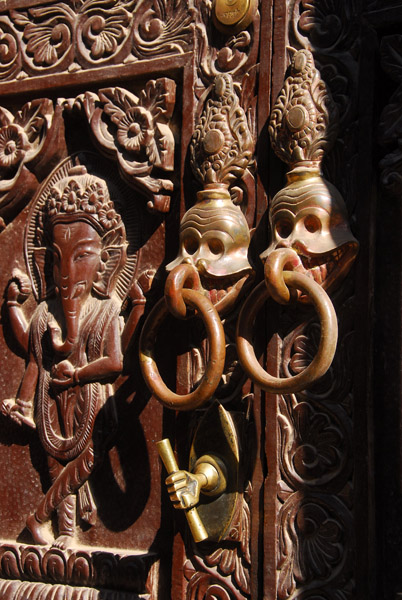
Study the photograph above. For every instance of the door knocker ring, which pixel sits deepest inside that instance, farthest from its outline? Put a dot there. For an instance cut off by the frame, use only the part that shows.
(215, 364)
(326, 348)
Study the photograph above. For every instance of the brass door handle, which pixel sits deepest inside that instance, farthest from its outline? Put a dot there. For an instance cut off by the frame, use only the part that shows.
(212, 481)
(198, 530)
(215, 364)
(327, 345)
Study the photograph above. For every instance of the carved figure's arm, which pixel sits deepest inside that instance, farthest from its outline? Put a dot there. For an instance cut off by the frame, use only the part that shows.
(138, 291)
(18, 290)
(108, 365)
(65, 375)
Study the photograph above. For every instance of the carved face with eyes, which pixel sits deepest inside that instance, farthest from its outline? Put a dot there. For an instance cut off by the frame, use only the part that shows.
(214, 238)
(76, 259)
(310, 217)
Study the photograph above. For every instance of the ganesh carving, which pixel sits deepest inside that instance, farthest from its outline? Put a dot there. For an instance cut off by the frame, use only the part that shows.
(77, 250)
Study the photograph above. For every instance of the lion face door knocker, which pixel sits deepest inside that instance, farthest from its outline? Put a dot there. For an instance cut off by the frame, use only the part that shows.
(76, 253)
(212, 265)
(312, 247)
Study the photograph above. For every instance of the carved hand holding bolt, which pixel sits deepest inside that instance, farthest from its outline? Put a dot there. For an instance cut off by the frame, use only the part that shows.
(312, 247)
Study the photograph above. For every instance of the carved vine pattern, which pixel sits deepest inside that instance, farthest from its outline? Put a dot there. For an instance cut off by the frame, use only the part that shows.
(315, 487)
(223, 572)
(315, 544)
(76, 34)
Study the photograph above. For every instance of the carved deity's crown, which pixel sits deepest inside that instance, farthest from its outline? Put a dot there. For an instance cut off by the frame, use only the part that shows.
(83, 196)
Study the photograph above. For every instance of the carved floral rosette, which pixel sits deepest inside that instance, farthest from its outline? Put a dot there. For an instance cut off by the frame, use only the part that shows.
(135, 131)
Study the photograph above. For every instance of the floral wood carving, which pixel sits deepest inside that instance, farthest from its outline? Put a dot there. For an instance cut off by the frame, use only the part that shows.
(314, 543)
(162, 27)
(315, 490)
(224, 572)
(135, 131)
(22, 138)
(304, 120)
(78, 34)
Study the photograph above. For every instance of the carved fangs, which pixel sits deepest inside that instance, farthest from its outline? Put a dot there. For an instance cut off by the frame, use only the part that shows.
(223, 292)
(327, 268)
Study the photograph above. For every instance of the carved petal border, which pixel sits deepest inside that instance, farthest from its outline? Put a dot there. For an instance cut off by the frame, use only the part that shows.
(96, 568)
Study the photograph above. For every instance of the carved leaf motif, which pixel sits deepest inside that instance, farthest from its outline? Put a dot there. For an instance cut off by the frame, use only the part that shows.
(162, 27)
(315, 445)
(47, 32)
(221, 146)
(327, 24)
(304, 120)
(314, 542)
(227, 566)
(9, 51)
(105, 30)
(390, 127)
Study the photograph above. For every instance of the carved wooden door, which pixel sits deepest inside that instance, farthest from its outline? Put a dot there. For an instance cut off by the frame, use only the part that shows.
(182, 184)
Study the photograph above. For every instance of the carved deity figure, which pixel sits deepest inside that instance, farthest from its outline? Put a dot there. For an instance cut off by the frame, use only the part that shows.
(73, 346)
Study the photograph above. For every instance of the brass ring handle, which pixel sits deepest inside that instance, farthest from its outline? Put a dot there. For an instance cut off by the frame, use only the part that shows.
(177, 279)
(274, 274)
(326, 348)
(215, 364)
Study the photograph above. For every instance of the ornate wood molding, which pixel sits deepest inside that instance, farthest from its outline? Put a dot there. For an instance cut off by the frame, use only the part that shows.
(76, 35)
(84, 567)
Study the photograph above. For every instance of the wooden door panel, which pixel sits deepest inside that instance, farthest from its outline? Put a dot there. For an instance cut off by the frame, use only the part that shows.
(108, 98)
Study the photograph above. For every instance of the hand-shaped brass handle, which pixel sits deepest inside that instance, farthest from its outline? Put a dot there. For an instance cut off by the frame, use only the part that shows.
(197, 528)
(208, 476)
(215, 364)
(326, 349)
